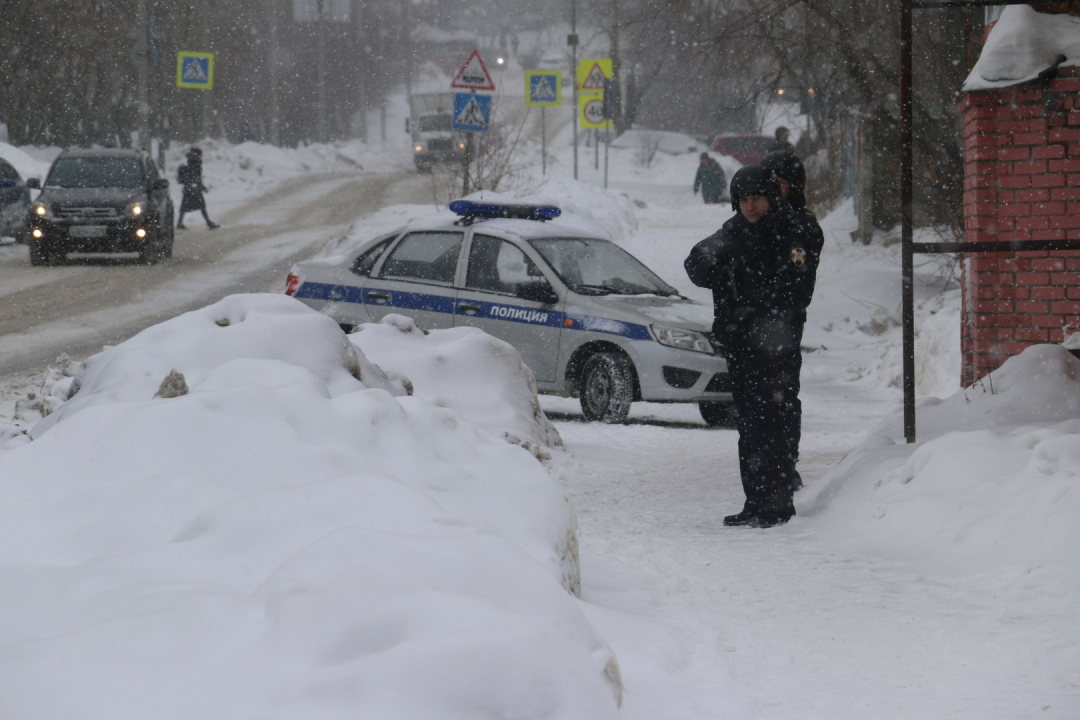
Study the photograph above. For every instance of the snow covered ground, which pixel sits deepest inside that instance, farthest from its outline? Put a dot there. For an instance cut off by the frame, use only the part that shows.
(940, 579)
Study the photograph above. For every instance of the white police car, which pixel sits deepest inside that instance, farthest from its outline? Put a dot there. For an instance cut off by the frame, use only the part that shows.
(588, 318)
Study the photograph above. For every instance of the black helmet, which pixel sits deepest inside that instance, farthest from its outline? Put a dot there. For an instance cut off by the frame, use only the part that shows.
(786, 165)
(754, 180)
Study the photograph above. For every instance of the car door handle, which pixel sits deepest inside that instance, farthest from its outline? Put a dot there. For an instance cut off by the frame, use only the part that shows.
(379, 297)
(469, 308)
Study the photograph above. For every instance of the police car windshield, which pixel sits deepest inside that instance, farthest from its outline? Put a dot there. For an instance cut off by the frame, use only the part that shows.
(109, 172)
(599, 267)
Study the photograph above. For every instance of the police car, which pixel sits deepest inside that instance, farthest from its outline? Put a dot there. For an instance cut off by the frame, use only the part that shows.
(589, 319)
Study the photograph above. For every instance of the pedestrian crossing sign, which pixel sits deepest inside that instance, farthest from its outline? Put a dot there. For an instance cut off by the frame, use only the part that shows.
(195, 70)
(472, 112)
(543, 88)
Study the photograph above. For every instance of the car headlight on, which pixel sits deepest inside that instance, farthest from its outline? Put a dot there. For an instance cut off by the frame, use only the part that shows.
(683, 339)
(135, 209)
(40, 209)
(419, 148)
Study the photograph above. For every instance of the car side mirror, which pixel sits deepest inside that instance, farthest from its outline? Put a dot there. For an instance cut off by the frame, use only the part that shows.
(160, 184)
(33, 183)
(540, 292)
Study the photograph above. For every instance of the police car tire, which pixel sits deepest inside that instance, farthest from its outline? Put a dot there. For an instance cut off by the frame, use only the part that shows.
(718, 414)
(607, 387)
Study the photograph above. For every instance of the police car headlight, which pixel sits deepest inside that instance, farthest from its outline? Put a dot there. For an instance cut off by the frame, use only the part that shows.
(682, 339)
(40, 209)
(135, 209)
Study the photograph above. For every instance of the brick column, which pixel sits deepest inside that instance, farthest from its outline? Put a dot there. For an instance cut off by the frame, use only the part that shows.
(1021, 182)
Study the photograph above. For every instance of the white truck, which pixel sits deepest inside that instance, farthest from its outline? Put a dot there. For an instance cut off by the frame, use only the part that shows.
(431, 124)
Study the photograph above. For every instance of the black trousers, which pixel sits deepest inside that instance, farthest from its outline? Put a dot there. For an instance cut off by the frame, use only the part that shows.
(764, 363)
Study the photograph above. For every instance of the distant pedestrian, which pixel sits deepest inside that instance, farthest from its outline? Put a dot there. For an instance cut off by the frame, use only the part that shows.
(190, 178)
(781, 141)
(760, 267)
(711, 179)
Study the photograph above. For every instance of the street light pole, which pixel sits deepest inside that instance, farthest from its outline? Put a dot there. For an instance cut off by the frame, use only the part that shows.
(320, 89)
(573, 40)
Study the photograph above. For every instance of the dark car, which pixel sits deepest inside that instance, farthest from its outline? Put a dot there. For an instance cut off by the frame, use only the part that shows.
(101, 201)
(14, 201)
(747, 149)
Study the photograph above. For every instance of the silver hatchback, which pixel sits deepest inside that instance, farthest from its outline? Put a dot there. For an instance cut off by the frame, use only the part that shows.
(589, 319)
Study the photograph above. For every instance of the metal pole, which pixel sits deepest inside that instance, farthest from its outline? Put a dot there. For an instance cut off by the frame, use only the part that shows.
(275, 77)
(204, 95)
(573, 77)
(320, 84)
(596, 144)
(159, 75)
(607, 148)
(543, 141)
(142, 71)
(908, 289)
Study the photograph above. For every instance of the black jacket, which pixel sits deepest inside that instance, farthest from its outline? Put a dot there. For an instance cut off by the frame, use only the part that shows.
(766, 269)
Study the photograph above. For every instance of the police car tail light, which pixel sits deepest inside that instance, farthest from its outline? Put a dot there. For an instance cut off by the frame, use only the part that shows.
(683, 339)
(292, 283)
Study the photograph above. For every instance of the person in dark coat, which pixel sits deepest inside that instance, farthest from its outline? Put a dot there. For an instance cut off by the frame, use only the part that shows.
(761, 268)
(711, 179)
(781, 141)
(190, 178)
(791, 174)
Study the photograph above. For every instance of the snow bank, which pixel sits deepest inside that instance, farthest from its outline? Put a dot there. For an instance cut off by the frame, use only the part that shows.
(203, 343)
(586, 208)
(991, 485)
(474, 374)
(671, 143)
(1023, 44)
(282, 540)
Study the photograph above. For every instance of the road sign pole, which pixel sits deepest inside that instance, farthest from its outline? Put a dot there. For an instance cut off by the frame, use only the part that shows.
(543, 141)
(607, 149)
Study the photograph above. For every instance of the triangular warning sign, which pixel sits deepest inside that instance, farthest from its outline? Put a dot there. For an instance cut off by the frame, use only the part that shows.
(473, 75)
(595, 79)
(543, 90)
(194, 72)
(471, 114)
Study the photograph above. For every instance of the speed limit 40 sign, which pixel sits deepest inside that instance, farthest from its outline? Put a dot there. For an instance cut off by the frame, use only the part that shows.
(592, 111)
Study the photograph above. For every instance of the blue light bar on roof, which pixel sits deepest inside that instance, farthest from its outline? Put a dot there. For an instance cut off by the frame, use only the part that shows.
(470, 209)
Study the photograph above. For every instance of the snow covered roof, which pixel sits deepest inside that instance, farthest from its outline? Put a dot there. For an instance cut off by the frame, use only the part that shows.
(1023, 44)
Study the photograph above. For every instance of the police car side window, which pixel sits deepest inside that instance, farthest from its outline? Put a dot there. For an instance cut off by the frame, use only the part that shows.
(498, 266)
(425, 256)
(366, 261)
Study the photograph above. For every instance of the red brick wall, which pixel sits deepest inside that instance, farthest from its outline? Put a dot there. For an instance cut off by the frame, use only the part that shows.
(1021, 182)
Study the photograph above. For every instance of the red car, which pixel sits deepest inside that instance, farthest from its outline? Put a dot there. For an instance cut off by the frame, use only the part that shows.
(747, 149)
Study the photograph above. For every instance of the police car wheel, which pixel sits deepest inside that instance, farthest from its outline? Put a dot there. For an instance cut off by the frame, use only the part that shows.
(607, 387)
(718, 414)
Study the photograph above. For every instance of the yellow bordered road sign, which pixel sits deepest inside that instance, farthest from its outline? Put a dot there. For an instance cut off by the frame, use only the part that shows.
(591, 109)
(195, 70)
(591, 74)
(543, 88)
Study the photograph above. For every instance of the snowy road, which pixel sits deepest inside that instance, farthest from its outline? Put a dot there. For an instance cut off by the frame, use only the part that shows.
(99, 300)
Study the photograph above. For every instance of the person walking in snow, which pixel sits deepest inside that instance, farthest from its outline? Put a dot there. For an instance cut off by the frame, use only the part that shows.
(760, 267)
(190, 178)
(711, 179)
(781, 142)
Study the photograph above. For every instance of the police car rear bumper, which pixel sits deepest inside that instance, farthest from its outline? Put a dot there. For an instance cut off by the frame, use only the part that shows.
(667, 374)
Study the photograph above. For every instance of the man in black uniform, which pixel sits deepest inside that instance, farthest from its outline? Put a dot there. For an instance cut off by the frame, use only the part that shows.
(760, 266)
(791, 175)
